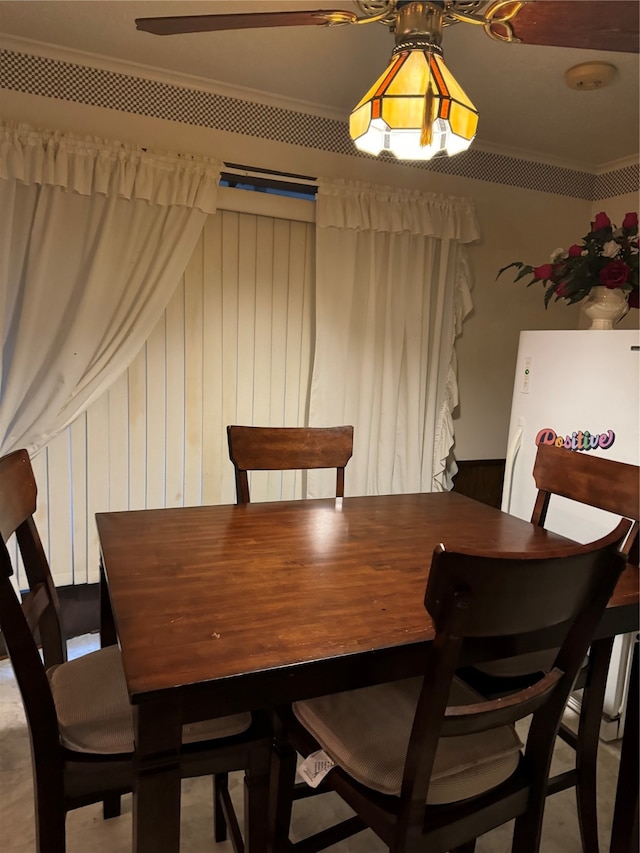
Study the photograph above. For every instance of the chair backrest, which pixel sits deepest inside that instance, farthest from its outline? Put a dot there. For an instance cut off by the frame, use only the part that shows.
(287, 449)
(482, 603)
(593, 480)
(37, 615)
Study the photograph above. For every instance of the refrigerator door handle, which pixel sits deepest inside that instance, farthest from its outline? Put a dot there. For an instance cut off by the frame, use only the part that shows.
(510, 464)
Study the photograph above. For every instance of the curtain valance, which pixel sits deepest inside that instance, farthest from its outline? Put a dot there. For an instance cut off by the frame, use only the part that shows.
(94, 238)
(367, 207)
(92, 166)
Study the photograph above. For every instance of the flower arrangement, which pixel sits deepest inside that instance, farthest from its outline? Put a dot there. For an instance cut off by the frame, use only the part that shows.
(607, 257)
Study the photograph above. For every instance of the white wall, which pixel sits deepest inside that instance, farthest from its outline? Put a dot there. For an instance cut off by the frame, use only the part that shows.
(616, 207)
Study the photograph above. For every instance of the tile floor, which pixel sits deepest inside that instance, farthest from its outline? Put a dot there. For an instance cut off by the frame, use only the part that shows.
(87, 832)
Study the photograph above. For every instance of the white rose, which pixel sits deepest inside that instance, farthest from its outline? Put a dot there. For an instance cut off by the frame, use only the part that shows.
(610, 249)
(558, 255)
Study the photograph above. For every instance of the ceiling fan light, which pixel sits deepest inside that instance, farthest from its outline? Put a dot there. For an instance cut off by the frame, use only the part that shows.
(372, 141)
(391, 116)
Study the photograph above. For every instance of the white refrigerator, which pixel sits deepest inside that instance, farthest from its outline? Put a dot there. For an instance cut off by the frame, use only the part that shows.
(582, 387)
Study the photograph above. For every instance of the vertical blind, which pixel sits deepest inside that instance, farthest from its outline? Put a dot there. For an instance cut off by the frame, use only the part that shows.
(233, 346)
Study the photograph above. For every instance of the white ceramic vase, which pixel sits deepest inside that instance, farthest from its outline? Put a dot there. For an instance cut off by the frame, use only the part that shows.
(604, 307)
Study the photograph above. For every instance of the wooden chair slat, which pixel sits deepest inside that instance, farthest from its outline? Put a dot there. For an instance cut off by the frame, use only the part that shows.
(593, 480)
(288, 449)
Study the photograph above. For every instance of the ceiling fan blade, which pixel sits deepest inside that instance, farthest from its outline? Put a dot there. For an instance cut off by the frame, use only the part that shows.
(587, 24)
(173, 25)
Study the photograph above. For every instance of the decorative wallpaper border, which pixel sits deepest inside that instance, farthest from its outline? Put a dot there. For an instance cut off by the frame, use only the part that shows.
(37, 75)
(617, 182)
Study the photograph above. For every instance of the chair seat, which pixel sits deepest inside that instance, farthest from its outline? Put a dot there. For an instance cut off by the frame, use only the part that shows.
(520, 664)
(366, 732)
(94, 712)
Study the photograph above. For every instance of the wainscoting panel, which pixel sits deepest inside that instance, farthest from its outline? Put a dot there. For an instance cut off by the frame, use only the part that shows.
(233, 346)
(480, 479)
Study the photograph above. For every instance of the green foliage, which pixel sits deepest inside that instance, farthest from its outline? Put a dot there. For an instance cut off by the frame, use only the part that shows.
(607, 256)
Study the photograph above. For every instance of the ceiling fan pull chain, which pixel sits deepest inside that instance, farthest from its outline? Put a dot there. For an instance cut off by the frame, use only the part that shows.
(426, 133)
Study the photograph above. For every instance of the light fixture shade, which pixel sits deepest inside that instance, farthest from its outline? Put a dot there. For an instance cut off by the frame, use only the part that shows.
(415, 110)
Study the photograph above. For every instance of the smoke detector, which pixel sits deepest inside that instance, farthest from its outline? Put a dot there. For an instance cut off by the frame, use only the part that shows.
(590, 75)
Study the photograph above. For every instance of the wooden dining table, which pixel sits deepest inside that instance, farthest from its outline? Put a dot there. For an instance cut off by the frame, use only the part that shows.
(221, 609)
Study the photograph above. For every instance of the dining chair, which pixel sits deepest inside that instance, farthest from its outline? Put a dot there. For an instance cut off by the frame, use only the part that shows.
(288, 449)
(608, 485)
(254, 448)
(426, 762)
(78, 712)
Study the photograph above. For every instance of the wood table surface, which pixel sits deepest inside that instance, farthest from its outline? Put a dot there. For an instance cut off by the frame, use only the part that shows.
(226, 608)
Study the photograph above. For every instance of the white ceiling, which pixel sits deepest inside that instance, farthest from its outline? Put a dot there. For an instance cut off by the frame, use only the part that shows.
(519, 90)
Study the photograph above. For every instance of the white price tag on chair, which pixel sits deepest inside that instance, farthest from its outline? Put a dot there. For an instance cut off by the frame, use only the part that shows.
(315, 767)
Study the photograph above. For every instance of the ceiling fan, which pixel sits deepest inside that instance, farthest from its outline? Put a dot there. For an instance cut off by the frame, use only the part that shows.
(416, 109)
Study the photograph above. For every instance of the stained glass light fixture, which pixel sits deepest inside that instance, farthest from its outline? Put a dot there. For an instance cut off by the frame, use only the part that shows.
(416, 109)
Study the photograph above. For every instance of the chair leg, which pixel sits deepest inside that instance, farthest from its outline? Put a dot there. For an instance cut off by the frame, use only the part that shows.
(50, 829)
(527, 831)
(50, 808)
(587, 743)
(220, 788)
(283, 775)
(111, 806)
(256, 809)
(624, 832)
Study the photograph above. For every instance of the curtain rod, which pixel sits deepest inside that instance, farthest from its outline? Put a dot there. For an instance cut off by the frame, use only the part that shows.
(253, 171)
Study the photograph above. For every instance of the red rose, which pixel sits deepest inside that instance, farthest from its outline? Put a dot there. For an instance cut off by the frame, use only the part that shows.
(545, 271)
(634, 298)
(630, 221)
(615, 274)
(575, 251)
(561, 289)
(601, 221)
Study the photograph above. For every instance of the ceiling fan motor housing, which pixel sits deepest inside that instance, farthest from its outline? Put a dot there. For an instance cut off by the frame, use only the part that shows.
(418, 19)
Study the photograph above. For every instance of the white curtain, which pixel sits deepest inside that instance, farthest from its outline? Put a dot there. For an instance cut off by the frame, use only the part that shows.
(393, 287)
(94, 237)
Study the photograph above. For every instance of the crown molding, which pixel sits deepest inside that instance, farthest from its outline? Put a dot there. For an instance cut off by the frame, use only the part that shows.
(614, 165)
(533, 156)
(181, 80)
(161, 75)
